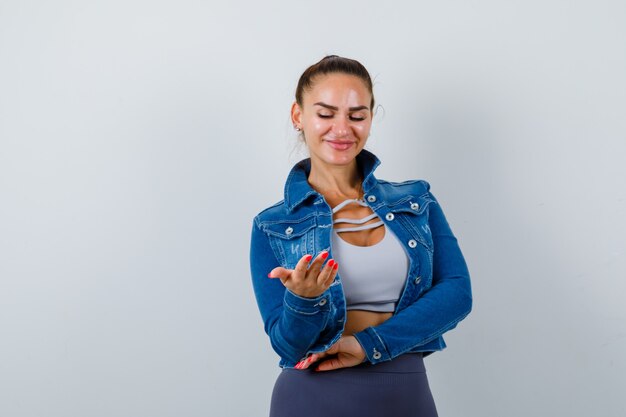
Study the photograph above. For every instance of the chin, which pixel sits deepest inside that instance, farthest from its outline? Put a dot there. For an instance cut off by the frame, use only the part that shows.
(342, 158)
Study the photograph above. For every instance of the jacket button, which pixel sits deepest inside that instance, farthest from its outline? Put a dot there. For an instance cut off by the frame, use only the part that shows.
(412, 243)
(371, 198)
(289, 230)
(322, 302)
(418, 280)
(415, 206)
(389, 216)
(377, 354)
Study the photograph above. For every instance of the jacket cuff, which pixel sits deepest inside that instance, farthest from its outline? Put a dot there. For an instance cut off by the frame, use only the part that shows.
(308, 306)
(373, 345)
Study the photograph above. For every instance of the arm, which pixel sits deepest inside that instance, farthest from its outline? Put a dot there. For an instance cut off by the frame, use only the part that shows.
(437, 310)
(293, 323)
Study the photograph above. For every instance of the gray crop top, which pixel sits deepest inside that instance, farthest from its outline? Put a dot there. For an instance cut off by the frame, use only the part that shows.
(373, 277)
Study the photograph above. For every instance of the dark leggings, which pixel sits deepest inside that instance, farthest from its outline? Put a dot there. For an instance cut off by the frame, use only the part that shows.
(397, 388)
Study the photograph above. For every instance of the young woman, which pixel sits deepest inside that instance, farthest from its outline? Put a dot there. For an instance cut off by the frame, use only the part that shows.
(356, 278)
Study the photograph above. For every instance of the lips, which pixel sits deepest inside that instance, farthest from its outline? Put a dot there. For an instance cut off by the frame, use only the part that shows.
(340, 145)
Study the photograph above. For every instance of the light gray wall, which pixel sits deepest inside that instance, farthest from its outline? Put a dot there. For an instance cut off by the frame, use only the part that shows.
(139, 138)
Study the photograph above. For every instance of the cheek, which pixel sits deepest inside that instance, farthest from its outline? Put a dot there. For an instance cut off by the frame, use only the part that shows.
(362, 129)
(320, 125)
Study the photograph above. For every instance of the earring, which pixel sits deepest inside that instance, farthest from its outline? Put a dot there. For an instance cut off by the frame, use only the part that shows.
(298, 129)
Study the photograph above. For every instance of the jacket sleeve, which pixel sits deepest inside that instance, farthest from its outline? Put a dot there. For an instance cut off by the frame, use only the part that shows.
(293, 323)
(437, 310)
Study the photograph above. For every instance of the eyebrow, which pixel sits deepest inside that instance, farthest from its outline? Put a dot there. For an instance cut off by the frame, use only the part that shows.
(328, 106)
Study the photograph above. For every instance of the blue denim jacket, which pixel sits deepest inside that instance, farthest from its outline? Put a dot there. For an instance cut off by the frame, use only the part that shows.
(437, 293)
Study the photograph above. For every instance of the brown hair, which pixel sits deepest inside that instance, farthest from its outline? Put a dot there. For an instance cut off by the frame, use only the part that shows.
(333, 64)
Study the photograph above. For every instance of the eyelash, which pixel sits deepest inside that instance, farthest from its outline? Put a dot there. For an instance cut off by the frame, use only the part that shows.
(356, 119)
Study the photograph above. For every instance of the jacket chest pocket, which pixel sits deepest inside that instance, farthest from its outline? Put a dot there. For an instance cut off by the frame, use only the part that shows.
(412, 213)
(292, 239)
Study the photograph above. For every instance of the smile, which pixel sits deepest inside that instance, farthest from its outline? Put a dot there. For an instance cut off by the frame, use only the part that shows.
(341, 146)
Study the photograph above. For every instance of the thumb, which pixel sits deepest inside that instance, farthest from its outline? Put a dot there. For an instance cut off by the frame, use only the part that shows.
(280, 272)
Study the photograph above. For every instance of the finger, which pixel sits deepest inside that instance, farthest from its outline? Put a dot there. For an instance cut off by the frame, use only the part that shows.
(316, 265)
(279, 272)
(333, 274)
(330, 364)
(299, 272)
(328, 279)
(324, 278)
(305, 363)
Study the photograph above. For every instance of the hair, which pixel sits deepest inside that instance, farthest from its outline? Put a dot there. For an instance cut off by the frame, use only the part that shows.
(333, 64)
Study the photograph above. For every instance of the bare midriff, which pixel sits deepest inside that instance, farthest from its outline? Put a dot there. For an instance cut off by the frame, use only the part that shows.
(358, 320)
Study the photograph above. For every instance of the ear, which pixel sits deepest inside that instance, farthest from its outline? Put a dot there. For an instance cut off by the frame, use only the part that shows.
(296, 114)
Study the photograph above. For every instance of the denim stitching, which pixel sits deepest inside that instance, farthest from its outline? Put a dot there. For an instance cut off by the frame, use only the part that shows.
(289, 221)
(380, 340)
(306, 313)
(278, 250)
(447, 327)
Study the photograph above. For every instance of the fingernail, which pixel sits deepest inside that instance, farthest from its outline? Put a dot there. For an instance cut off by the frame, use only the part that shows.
(324, 255)
(269, 275)
(331, 262)
(336, 266)
(309, 257)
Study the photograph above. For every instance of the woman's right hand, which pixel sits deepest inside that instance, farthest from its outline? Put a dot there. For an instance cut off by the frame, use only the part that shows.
(306, 280)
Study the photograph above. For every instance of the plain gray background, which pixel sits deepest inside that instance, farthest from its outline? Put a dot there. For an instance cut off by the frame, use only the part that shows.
(139, 138)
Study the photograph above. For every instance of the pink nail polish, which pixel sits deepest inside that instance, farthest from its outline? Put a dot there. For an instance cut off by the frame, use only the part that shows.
(331, 262)
(324, 255)
(308, 258)
(336, 266)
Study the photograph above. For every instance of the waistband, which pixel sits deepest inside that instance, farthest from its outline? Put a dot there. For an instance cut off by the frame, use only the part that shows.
(402, 369)
(406, 363)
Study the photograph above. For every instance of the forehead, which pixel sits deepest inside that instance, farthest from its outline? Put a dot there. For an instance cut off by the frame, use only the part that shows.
(338, 89)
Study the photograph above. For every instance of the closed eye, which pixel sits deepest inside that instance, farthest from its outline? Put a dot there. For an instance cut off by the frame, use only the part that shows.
(328, 116)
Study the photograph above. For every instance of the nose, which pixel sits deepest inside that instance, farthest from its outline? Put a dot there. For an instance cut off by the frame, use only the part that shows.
(341, 127)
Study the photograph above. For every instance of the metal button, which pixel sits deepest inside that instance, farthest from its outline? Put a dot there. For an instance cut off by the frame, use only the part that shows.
(322, 301)
(371, 198)
(377, 354)
(418, 280)
(389, 216)
(415, 206)
(289, 230)
(412, 243)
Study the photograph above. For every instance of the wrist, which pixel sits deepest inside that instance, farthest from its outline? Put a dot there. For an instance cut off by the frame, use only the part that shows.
(306, 305)
(372, 345)
(361, 351)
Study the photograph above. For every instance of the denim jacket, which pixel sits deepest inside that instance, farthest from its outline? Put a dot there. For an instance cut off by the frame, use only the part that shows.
(437, 293)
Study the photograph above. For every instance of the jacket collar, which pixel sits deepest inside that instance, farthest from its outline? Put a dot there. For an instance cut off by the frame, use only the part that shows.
(297, 188)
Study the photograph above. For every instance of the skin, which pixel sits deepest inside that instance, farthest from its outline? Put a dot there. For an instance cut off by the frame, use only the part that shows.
(334, 111)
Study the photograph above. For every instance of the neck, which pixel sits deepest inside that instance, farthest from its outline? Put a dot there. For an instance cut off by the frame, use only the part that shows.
(337, 181)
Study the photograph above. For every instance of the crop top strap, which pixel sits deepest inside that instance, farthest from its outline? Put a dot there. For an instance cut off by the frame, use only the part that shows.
(348, 201)
(357, 228)
(355, 221)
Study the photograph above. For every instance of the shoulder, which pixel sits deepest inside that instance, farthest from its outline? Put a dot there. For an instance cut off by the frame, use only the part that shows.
(400, 190)
(417, 185)
(270, 214)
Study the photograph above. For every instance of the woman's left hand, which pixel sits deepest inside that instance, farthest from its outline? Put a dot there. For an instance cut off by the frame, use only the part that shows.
(347, 352)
